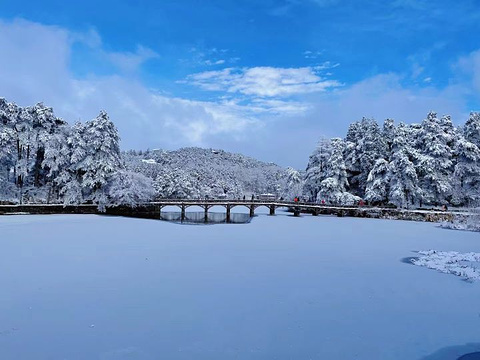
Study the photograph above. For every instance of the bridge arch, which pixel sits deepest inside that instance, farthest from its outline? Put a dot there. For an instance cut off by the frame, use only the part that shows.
(239, 205)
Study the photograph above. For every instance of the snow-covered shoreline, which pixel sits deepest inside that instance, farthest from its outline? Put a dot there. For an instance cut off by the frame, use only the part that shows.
(451, 262)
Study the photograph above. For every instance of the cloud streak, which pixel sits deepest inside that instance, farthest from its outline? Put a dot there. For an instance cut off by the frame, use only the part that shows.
(264, 81)
(131, 61)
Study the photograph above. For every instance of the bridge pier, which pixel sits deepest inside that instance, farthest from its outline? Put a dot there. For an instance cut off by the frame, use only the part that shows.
(252, 210)
(183, 212)
(315, 212)
(296, 211)
(272, 210)
(228, 213)
(206, 214)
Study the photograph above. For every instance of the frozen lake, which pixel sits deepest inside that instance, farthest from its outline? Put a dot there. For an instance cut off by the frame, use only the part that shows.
(93, 287)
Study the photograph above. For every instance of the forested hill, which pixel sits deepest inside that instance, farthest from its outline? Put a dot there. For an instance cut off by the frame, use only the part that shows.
(196, 172)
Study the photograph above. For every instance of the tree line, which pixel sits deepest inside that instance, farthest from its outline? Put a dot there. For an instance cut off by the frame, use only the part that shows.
(43, 159)
(431, 163)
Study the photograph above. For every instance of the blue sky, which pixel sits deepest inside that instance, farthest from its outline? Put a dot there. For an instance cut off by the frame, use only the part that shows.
(265, 78)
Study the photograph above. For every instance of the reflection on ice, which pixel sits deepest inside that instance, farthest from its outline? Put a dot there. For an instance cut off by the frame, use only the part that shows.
(199, 217)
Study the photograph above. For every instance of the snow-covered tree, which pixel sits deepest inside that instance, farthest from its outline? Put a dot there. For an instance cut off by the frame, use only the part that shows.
(404, 189)
(7, 156)
(333, 189)
(316, 169)
(435, 165)
(130, 188)
(101, 159)
(388, 133)
(294, 184)
(467, 173)
(378, 183)
(471, 130)
(175, 184)
(365, 144)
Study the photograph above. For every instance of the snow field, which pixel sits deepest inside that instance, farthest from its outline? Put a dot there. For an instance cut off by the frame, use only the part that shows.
(99, 287)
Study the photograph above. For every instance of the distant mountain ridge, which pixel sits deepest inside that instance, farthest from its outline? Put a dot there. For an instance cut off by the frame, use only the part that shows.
(207, 172)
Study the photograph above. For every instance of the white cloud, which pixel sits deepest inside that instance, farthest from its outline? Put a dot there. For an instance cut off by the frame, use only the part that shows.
(214, 62)
(35, 67)
(383, 96)
(264, 81)
(280, 107)
(90, 38)
(128, 62)
(470, 67)
(209, 56)
(308, 54)
(131, 61)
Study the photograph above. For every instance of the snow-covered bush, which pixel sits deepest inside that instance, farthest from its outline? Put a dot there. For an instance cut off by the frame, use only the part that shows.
(451, 262)
(469, 221)
(294, 184)
(8, 191)
(130, 188)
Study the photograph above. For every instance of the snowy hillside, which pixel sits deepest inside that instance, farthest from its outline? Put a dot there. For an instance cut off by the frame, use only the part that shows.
(196, 173)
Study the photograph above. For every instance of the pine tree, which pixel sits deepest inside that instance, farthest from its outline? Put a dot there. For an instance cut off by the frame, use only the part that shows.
(46, 130)
(365, 144)
(467, 173)
(378, 183)
(404, 190)
(388, 134)
(316, 169)
(294, 184)
(102, 157)
(333, 188)
(435, 165)
(472, 128)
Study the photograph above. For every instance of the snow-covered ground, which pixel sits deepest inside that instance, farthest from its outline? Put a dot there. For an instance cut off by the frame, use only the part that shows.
(451, 262)
(96, 287)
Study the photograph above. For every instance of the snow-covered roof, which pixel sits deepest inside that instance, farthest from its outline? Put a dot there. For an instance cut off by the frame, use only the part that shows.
(149, 161)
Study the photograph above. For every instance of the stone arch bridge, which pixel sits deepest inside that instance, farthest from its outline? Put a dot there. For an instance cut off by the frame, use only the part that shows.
(206, 205)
